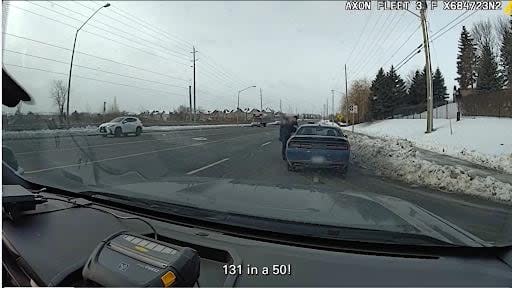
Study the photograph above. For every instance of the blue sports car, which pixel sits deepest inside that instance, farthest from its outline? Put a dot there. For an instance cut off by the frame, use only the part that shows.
(318, 145)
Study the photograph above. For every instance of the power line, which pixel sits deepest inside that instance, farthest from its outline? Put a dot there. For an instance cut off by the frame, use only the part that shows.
(155, 29)
(107, 31)
(97, 57)
(375, 46)
(366, 47)
(360, 36)
(100, 36)
(150, 26)
(123, 31)
(220, 76)
(417, 50)
(464, 19)
(433, 35)
(222, 70)
(403, 44)
(91, 68)
(55, 20)
(409, 58)
(94, 79)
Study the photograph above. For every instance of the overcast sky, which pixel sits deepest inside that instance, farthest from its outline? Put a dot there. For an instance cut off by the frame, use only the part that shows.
(294, 51)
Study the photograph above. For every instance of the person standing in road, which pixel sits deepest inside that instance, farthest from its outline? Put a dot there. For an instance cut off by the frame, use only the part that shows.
(286, 132)
(282, 126)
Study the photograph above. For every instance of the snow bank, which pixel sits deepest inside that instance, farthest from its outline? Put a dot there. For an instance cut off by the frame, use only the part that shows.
(397, 158)
(483, 140)
(93, 130)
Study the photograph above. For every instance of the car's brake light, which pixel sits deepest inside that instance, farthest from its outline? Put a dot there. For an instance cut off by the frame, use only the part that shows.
(299, 145)
(338, 146)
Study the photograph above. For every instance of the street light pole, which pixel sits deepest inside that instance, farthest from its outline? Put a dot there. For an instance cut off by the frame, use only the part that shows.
(238, 101)
(73, 55)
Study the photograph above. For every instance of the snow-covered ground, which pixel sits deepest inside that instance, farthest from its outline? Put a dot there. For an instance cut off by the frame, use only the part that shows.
(399, 159)
(93, 130)
(483, 140)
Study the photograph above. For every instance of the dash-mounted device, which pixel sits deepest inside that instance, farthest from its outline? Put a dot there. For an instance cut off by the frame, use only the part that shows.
(130, 260)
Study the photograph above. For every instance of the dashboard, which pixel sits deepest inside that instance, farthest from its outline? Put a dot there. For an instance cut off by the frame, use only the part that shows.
(50, 245)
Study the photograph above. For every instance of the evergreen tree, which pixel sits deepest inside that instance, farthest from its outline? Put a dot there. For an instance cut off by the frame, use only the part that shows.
(418, 89)
(489, 77)
(439, 88)
(506, 55)
(398, 92)
(466, 60)
(376, 97)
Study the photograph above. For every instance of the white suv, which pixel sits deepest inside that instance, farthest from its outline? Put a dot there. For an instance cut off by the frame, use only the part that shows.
(121, 126)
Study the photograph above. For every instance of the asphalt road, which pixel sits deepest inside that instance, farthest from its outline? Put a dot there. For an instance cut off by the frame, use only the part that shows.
(245, 153)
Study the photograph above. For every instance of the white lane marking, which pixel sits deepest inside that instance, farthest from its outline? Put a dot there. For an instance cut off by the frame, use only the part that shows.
(266, 143)
(207, 166)
(128, 156)
(109, 144)
(137, 154)
(199, 139)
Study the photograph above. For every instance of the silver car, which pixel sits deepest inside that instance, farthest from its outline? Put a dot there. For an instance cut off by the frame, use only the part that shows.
(121, 126)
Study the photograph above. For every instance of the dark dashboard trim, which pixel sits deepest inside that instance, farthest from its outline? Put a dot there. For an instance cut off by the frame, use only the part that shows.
(337, 245)
(366, 248)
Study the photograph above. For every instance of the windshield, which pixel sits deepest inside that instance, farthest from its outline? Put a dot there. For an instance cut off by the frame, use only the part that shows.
(413, 122)
(318, 131)
(118, 119)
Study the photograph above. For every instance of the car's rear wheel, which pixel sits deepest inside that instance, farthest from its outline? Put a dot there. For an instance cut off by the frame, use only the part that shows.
(104, 135)
(138, 131)
(118, 132)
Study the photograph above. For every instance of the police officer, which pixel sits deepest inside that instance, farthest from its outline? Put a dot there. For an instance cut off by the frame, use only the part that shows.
(288, 127)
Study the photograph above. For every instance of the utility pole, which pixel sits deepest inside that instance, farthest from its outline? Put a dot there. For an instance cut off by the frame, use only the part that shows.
(426, 45)
(346, 93)
(194, 66)
(190, 101)
(327, 109)
(261, 101)
(104, 107)
(280, 106)
(332, 118)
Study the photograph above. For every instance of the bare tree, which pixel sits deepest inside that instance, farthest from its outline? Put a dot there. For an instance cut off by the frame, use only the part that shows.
(409, 77)
(59, 93)
(359, 94)
(487, 32)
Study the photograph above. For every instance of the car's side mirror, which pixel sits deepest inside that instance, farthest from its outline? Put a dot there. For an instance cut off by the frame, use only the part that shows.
(124, 122)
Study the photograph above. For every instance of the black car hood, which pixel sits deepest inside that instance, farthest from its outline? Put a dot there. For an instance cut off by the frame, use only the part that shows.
(302, 205)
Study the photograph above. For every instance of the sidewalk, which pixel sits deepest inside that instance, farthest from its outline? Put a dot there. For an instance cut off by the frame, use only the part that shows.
(473, 168)
(402, 160)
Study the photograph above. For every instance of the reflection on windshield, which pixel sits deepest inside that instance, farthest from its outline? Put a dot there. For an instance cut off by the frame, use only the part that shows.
(218, 110)
(118, 119)
(319, 131)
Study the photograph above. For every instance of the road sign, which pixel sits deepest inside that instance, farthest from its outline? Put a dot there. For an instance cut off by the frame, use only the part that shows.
(352, 109)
